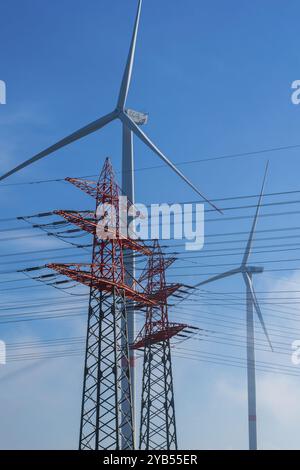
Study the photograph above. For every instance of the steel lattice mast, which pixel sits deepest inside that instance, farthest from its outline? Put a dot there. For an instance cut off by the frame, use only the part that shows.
(106, 422)
(158, 425)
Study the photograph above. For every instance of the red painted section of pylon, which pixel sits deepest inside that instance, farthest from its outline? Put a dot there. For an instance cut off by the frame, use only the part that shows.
(161, 334)
(107, 271)
(89, 223)
(132, 361)
(90, 279)
(157, 327)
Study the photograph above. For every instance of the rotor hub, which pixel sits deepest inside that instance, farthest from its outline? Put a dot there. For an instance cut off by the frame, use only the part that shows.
(254, 269)
(139, 118)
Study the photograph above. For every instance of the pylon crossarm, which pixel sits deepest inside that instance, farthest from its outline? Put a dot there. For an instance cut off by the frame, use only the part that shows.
(87, 278)
(161, 295)
(89, 223)
(160, 332)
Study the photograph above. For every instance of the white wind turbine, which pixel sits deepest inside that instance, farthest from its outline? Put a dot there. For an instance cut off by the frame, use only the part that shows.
(130, 121)
(247, 271)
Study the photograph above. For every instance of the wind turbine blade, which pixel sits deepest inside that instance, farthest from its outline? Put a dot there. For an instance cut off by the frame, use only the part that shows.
(250, 240)
(218, 276)
(249, 284)
(92, 127)
(211, 279)
(128, 69)
(139, 133)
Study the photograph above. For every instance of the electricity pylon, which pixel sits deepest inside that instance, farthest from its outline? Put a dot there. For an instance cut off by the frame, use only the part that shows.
(158, 424)
(105, 422)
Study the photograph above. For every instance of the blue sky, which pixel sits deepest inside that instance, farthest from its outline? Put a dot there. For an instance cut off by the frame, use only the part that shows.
(215, 78)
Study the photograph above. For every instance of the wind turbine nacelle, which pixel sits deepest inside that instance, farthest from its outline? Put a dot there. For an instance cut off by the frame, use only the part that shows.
(139, 118)
(254, 269)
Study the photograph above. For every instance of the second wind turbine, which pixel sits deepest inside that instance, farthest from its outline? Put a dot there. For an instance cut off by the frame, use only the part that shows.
(247, 271)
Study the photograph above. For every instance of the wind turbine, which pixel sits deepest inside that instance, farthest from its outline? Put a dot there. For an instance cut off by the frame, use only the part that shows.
(247, 272)
(129, 119)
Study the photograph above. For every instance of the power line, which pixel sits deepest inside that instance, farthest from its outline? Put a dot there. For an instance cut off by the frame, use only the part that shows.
(239, 197)
(181, 163)
(201, 356)
(232, 364)
(172, 222)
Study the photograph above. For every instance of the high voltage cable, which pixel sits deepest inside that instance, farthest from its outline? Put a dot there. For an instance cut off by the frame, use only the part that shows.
(194, 266)
(215, 274)
(202, 291)
(229, 320)
(35, 356)
(45, 315)
(232, 325)
(219, 265)
(264, 204)
(170, 276)
(207, 243)
(46, 250)
(199, 308)
(209, 235)
(199, 305)
(171, 222)
(57, 310)
(181, 163)
(233, 361)
(39, 305)
(45, 342)
(203, 294)
(228, 356)
(201, 255)
(60, 342)
(197, 315)
(289, 310)
(238, 299)
(179, 254)
(41, 318)
(232, 364)
(202, 320)
(239, 343)
(175, 245)
(211, 296)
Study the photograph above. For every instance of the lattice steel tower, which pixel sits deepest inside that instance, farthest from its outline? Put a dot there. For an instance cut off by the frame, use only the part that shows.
(158, 425)
(105, 422)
